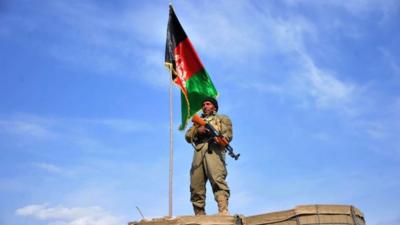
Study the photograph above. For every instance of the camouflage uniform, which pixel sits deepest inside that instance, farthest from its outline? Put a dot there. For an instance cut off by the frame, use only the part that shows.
(209, 161)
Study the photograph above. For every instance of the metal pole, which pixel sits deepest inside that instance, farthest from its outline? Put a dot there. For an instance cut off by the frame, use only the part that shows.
(171, 139)
(171, 144)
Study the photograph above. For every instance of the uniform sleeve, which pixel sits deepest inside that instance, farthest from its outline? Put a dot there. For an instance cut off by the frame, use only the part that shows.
(191, 134)
(226, 128)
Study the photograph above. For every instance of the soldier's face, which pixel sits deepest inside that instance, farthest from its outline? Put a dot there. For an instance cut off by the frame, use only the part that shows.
(208, 108)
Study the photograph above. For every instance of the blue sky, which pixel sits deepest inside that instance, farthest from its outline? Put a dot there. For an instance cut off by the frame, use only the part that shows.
(312, 87)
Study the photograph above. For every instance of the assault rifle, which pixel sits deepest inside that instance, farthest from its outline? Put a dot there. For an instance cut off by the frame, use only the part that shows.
(215, 135)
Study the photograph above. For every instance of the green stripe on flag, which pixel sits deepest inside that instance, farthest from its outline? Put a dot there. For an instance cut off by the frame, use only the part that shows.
(199, 86)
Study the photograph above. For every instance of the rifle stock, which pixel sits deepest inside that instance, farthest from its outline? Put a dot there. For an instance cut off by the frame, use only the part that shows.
(197, 119)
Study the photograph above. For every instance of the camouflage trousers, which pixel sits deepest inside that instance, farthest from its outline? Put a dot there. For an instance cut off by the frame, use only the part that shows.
(208, 164)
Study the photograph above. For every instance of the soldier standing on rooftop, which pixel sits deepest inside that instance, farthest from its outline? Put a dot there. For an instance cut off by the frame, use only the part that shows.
(209, 159)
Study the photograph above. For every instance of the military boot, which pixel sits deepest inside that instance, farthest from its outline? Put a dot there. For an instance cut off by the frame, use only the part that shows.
(222, 205)
(198, 211)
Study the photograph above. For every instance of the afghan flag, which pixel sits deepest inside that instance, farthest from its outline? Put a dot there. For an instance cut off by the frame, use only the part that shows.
(187, 70)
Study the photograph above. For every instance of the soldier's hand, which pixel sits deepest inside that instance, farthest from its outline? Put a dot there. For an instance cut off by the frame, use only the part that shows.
(202, 130)
(221, 141)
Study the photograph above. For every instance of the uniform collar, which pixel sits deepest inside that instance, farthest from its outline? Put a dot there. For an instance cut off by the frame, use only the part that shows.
(212, 115)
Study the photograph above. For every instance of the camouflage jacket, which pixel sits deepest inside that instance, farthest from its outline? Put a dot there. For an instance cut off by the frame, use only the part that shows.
(221, 123)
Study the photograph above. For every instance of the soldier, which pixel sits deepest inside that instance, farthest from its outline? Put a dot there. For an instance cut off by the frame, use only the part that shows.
(209, 159)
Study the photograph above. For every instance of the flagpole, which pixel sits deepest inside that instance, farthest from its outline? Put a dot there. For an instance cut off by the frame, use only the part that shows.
(171, 139)
(171, 145)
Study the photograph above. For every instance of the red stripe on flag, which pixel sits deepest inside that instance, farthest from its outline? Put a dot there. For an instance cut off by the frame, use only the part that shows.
(187, 60)
(182, 85)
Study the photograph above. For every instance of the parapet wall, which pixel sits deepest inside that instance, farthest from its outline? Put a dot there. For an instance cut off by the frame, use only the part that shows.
(310, 215)
(300, 215)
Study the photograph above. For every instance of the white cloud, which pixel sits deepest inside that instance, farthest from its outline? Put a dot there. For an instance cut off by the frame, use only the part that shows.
(375, 130)
(360, 7)
(356, 7)
(384, 127)
(50, 127)
(263, 87)
(392, 61)
(313, 85)
(241, 38)
(242, 33)
(100, 40)
(396, 106)
(75, 134)
(128, 43)
(29, 127)
(86, 35)
(226, 34)
(55, 169)
(325, 88)
(48, 167)
(69, 216)
(121, 125)
(291, 33)
(321, 136)
(154, 71)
